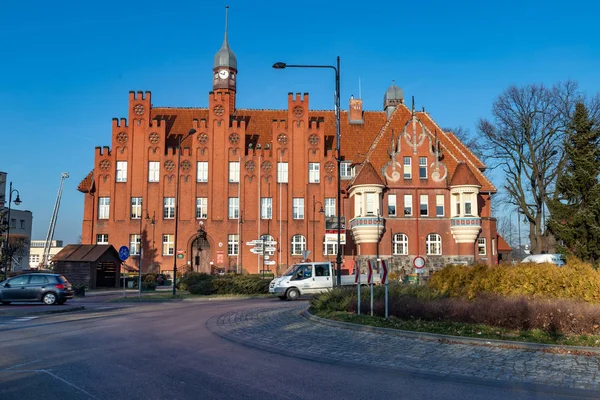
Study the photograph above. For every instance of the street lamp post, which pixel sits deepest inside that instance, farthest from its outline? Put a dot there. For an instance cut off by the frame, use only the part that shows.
(336, 68)
(191, 132)
(321, 211)
(8, 260)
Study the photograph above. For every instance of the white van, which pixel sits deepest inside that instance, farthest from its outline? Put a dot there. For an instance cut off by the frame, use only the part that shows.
(557, 259)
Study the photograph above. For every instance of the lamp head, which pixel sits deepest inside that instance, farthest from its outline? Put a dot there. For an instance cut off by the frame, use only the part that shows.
(279, 65)
(321, 211)
(192, 131)
(18, 200)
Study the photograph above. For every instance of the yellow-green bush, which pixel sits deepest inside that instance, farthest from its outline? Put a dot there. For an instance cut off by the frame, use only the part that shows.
(576, 280)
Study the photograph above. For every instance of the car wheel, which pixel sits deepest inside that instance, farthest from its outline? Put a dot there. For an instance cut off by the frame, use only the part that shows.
(49, 299)
(6, 302)
(293, 294)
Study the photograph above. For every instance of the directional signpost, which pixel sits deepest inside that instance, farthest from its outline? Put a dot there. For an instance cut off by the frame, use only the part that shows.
(265, 248)
(384, 281)
(370, 281)
(124, 255)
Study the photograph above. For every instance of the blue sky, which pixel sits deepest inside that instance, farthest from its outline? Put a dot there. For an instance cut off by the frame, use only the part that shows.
(67, 67)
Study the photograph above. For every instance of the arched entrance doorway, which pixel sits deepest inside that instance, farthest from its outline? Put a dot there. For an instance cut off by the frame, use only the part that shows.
(200, 253)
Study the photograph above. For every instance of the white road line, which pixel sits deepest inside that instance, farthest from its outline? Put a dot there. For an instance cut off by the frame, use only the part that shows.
(21, 319)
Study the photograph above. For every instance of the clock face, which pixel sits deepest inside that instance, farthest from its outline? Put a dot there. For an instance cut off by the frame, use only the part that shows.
(223, 74)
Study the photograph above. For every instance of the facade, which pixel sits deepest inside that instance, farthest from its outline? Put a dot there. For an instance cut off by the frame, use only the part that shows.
(36, 253)
(20, 229)
(254, 175)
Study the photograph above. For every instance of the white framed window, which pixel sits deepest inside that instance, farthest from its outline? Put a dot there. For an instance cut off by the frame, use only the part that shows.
(121, 171)
(168, 245)
(422, 167)
(330, 207)
(282, 172)
(400, 243)
(439, 205)
(103, 208)
(102, 238)
(370, 203)
(169, 207)
(433, 245)
(298, 208)
(468, 199)
(314, 172)
(234, 208)
(234, 172)
(202, 171)
(135, 242)
(298, 245)
(233, 245)
(153, 171)
(481, 249)
(408, 205)
(329, 248)
(136, 207)
(266, 208)
(391, 205)
(407, 168)
(201, 207)
(458, 209)
(346, 170)
(424, 205)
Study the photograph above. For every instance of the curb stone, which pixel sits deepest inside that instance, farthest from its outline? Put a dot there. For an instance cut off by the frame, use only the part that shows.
(582, 350)
(220, 325)
(15, 312)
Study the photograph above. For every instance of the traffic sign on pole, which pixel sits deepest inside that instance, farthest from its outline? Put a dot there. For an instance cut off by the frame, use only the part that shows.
(254, 243)
(270, 242)
(370, 274)
(269, 262)
(419, 262)
(124, 253)
(384, 272)
(270, 249)
(256, 250)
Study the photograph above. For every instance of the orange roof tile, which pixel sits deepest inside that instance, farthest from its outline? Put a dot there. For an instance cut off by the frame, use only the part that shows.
(85, 186)
(367, 176)
(463, 176)
(502, 245)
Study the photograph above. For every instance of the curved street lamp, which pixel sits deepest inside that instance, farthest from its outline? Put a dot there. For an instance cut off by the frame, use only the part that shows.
(336, 68)
(8, 261)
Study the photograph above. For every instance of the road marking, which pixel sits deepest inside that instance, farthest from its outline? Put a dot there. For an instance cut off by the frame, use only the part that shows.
(21, 319)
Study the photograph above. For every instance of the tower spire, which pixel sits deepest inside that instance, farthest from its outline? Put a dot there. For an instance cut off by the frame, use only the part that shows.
(226, 23)
(225, 57)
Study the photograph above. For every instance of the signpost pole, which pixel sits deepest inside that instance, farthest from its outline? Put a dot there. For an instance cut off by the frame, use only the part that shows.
(371, 284)
(123, 255)
(357, 280)
(384, 268)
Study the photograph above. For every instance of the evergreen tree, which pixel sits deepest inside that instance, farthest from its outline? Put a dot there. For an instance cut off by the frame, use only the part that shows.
(575, 215)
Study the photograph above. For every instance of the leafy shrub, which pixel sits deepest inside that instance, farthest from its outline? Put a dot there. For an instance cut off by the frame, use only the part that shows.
(202, 287)
(576, 280)
(192, 278)
(149, 282)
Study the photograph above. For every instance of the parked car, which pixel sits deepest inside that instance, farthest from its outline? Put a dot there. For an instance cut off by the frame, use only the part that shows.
(557, 259)
(47, 288)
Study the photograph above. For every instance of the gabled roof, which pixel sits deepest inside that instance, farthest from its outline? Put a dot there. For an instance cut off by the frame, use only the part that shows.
(464, 176)
(86, 185)
(367, 176)
(502, 245)
(84, 252)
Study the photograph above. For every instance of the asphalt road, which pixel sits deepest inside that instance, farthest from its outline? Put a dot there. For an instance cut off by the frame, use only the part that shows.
(165, 351)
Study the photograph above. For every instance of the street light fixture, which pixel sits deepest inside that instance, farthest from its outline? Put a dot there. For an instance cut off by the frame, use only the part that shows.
(190, 133)
(336, 68)
(321, 211)
(8, 260)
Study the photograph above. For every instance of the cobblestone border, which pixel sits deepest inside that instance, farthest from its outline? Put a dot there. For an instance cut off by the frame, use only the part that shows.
(241, 327)
(580, 350)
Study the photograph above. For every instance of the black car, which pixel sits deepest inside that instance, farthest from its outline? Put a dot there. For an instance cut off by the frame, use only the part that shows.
(47, 288)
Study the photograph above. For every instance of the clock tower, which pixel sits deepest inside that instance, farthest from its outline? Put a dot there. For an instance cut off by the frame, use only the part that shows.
(225, 67)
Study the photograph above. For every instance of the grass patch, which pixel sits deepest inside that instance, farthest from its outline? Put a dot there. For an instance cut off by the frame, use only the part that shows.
(462, 329)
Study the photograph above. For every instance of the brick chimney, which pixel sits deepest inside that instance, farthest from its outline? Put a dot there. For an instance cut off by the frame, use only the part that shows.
(355, 114)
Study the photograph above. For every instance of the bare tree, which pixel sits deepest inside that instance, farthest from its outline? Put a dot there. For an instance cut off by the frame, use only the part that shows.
(471, 142)
(525, 141)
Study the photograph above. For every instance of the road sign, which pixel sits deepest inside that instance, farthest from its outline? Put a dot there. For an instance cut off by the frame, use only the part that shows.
(254, 243)
(124, 253)
(266, 257)
(270, 249)
(419, 262)
(269, 262)
(370, 274)
(357, 273)
(270, 242)
(305, 254)
(384, 272)
(256, 250)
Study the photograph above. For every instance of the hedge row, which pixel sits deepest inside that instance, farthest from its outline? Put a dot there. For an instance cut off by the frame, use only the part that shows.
(576, 280)
(204, 284)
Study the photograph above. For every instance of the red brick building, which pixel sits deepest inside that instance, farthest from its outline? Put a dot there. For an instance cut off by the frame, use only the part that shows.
(409, 188)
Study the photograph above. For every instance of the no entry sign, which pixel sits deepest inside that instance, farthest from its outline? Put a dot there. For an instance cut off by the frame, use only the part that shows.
(419, 262)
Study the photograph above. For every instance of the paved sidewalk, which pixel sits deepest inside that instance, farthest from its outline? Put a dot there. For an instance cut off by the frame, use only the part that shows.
(286, 331)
